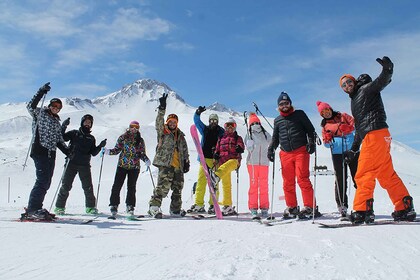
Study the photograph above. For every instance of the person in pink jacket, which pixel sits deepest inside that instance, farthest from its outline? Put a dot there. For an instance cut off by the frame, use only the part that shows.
(227, 158)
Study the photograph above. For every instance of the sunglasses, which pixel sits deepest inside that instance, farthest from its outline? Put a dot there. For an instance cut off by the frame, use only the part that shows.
(348, 82)
(285, 103)
(134, 126)
(213, 121)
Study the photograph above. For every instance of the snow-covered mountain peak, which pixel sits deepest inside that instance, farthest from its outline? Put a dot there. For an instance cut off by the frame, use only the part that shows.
(147, 89)
(216, 106)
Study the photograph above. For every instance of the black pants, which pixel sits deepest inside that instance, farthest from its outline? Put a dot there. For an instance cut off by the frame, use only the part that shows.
(67, 184)
(340, 188)
(120, 175)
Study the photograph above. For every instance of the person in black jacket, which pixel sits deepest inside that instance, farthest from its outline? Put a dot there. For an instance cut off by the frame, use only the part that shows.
(375, 158)
(296, 135)
(47, 137)
(82, 147)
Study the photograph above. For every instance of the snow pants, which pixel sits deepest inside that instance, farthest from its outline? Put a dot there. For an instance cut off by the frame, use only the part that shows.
(200, 188)
(67, 184)
(224, 173)
(375, 163)
(340, 185)
(258, 187)
(44, 167)
(169, 178)
(295, 166)
(119, 179)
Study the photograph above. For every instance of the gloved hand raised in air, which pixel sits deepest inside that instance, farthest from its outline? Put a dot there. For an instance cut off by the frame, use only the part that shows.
(386, 63)
(200, 110)
(162, 101)
(45, 88)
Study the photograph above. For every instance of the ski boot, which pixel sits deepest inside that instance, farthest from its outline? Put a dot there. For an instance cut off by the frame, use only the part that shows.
(196, 209)
(60, 211)
(130, 210)
(254, 213)
(343, 211)
(308, 212)
(211, 210)
(360, 217)
(408, 214)
(114, 210)
(37, 215)
(290, 212)
(91, 210)
(264, 213)
(228, 210)
(178, 213)
(155, 212)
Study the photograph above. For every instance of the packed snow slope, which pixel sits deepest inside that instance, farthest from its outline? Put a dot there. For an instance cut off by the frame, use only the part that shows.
(233, 248)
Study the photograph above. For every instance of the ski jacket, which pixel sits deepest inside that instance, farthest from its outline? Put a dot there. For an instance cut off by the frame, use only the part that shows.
(367, 107)
(226, 147)
(82, 146)
(340, 126)
(209, 137)
(169, 142)
(131, 150)
(257, 153)
(46, 129)
(292, 131)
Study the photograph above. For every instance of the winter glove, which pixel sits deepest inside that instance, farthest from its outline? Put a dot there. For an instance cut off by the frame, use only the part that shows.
(239, 149)
(216, 156)
(66, 122)
(162, 101)
(200, 110)
(147, 161)
(386, 63)
(44, 89)
(250, 144)
(270, 155)
(310, 147)
(186, 166)
(328, 137)
(346, 128)
(349, 156)
(103, 143)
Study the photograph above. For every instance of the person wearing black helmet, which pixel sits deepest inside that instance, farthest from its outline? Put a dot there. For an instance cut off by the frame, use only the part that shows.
(82, 147)
(47, 137)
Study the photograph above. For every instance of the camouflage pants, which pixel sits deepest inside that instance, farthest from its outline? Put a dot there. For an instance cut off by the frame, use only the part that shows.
(169, 178)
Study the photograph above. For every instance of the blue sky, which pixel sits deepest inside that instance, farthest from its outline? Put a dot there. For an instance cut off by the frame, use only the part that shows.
(233, 52)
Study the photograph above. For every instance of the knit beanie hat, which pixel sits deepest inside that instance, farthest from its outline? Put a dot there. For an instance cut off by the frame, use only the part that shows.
(172, 117)
(347, 76)
(86, 117)
(322, 106)
(213, 117)
(55, 100)
(284, 96)
(134, 124)
(253, 118)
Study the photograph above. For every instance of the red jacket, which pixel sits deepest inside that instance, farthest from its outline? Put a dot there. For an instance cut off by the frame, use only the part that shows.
(226, 147)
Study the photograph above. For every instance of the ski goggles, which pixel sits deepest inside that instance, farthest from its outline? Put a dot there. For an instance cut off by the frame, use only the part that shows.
(136, 126)
(227, 125)
(213, 121)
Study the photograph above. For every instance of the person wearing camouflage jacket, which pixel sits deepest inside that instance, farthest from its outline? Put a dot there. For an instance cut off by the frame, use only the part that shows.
(47, 136)
(131, 149)
(172, 159)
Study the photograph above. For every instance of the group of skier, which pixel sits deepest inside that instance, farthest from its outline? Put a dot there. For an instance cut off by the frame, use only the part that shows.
(360, 142)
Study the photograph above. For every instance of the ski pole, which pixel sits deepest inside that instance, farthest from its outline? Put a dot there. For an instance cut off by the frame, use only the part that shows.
(258, 111)
(272, 188)
(151, 178)
(59, 183)
(237, 192)
(100, 176)
(33, 134)
(317, 142)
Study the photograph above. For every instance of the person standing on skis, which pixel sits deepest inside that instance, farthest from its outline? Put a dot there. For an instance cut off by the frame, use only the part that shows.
(172, 159)
(338, 136)
(209, 136)
(47, 137)
(227, 158)
(82, 147)
(131, 149)
(373, 136)
(296, 135)
(257, 141)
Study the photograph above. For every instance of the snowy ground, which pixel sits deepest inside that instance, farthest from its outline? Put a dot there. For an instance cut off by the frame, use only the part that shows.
(234, 248)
